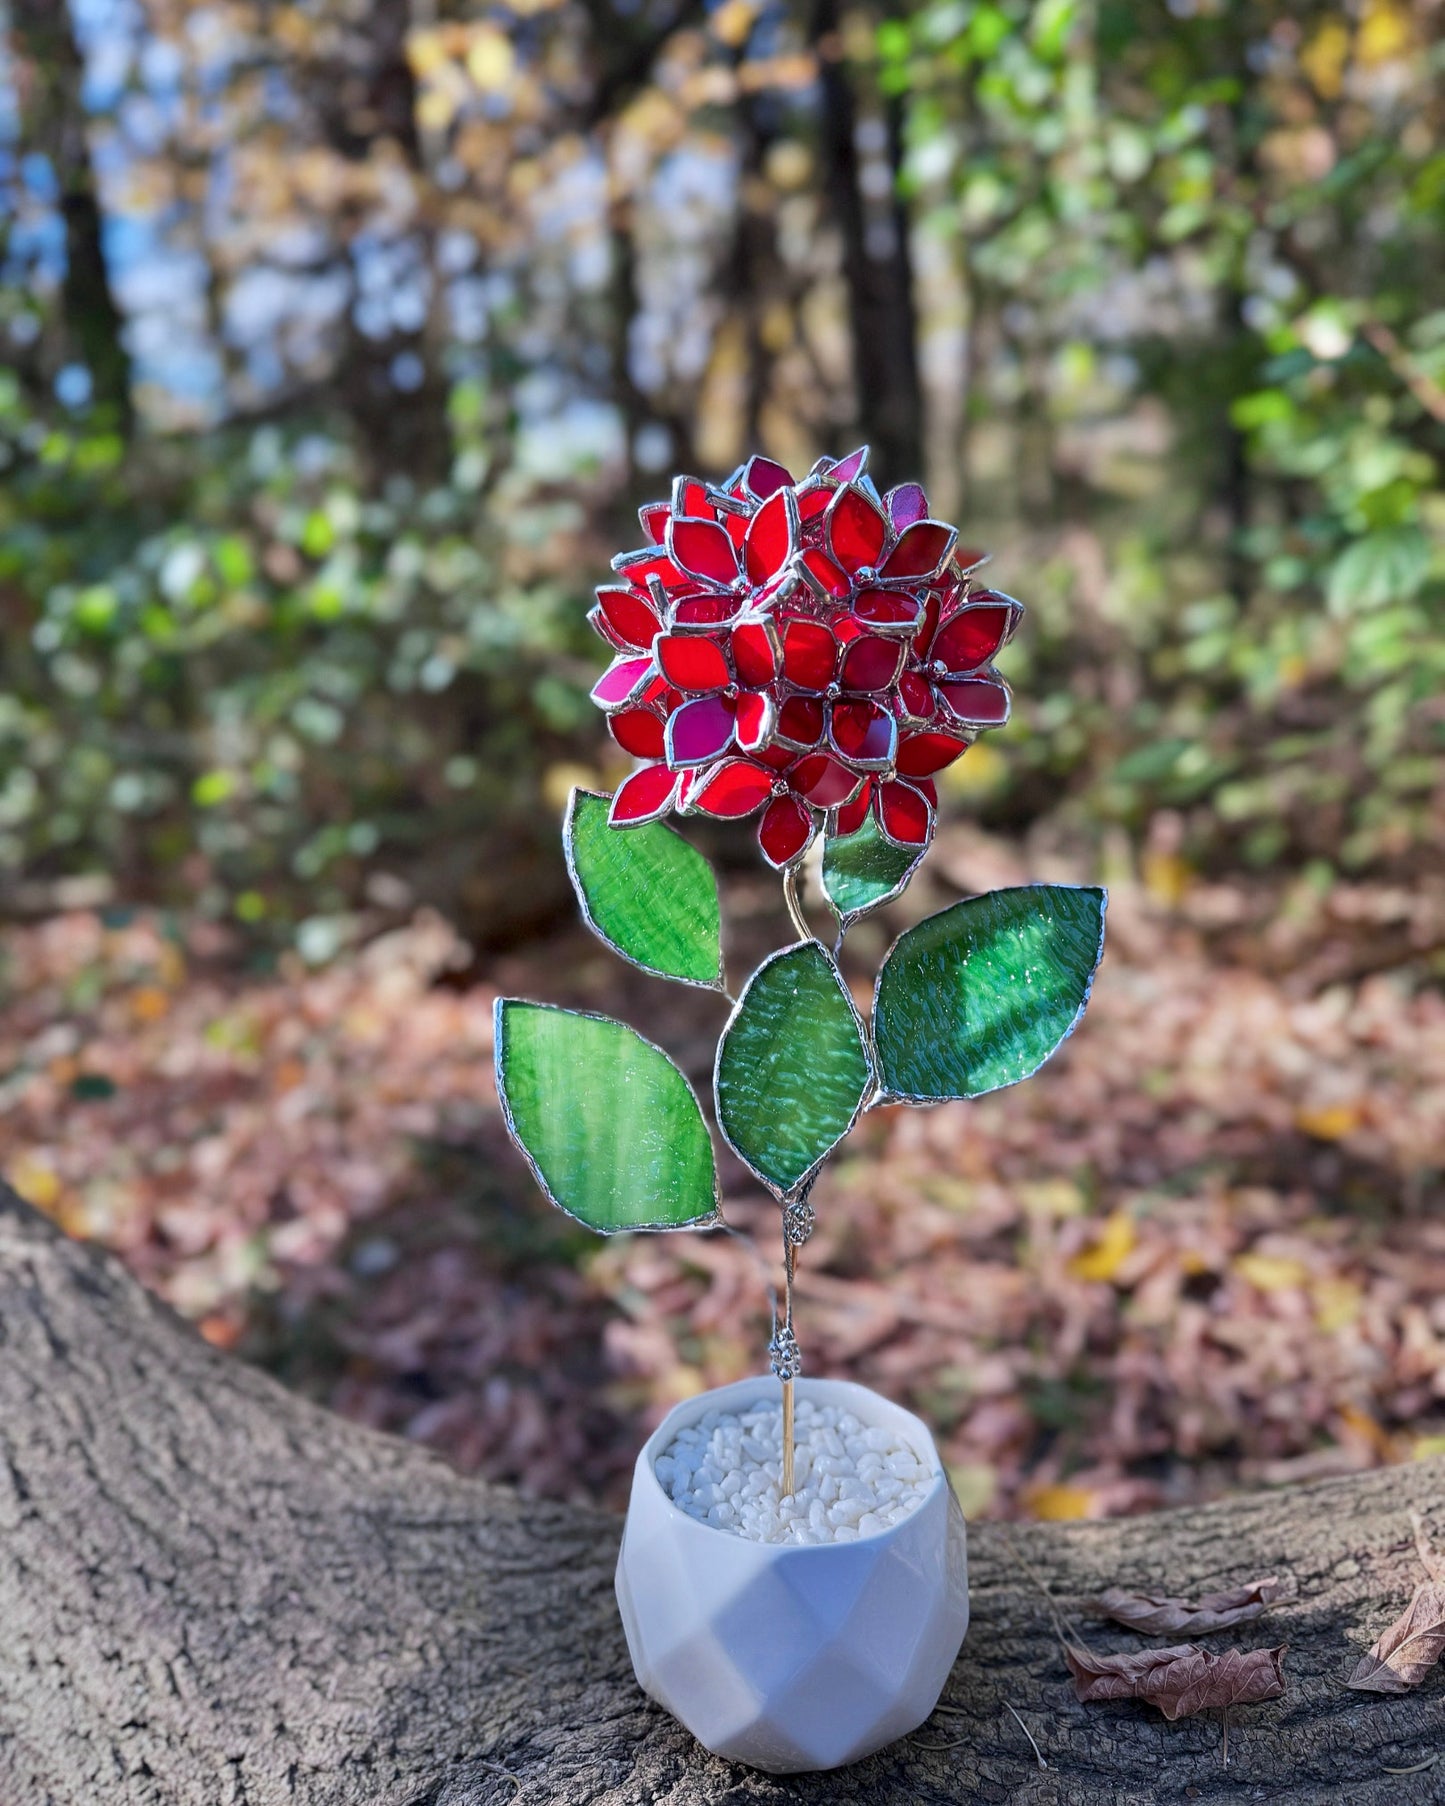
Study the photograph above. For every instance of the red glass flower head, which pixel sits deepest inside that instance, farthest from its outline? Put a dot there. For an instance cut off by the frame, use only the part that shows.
(798, 648)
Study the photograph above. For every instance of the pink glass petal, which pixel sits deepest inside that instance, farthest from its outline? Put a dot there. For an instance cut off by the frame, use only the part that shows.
(699, 732)
(736, 788)
(871, 663)
(970, 638)
(632, 619)
(905, 504)
(639, 732)
(920, 755)
(754, 721)
(824, 782)
(855, 531)
(977, 701)
(828, 580)
(846, 469)
(620, 682)
(763, 477)
(810, 655)
(904, 814)
(646, 795)
(703, 549)
(757, 657)
(772, 537)
(850, 817)
(800, 722)
(863, 733)
(888, 611)
(786, 831)
(654, 517)
(692, 663)
(921, 552)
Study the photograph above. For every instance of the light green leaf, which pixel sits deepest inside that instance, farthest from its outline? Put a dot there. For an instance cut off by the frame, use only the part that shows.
(981, 994)
(646, 892)
(611, 1129)
(862, 871)
(1389, 566)
(792, 1068)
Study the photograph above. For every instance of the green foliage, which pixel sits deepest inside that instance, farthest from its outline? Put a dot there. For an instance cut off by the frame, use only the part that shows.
(978, 996)
(863, 871)
(611, 1128)
(646, 892)
(792, 1068)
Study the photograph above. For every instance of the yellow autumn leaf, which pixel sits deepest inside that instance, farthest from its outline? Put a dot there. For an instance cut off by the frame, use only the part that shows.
(980, 769)
(1384, 33)
(1323, 59)
(36, 1180)
(1332, 1123)
(1058, 1504)
(1166, 877)
(1336, 1302)
(1271, 1272)
(1114, 1244)
(974, 1483)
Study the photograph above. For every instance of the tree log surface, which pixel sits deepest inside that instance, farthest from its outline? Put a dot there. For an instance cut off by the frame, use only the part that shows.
(214, 1593)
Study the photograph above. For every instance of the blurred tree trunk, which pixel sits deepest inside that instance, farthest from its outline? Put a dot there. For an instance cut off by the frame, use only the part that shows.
(53, 122)
(877, 264)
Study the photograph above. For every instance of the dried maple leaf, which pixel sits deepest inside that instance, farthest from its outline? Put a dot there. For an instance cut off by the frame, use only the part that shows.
(1180, 1681)
(1402, 1657)
(1158, 1615)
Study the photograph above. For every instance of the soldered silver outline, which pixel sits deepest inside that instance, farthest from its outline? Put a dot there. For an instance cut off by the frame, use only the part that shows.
(907, 1097)
(708, 1222)
(569, 818)
(846, 919)
(783, 1194)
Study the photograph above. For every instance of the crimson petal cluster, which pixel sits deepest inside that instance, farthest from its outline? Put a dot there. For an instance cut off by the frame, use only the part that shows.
(797, 648)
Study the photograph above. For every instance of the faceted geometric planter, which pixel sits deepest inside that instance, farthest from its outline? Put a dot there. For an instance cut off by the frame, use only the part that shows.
(789, 1657)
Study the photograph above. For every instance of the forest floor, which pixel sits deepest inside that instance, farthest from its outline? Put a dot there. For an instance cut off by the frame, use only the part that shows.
(1203, 1249)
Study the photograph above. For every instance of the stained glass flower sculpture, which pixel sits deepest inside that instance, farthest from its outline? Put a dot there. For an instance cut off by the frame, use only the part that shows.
(812, 653)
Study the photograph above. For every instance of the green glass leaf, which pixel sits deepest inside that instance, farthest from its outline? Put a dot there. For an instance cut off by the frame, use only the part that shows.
(611, 1129)
(862, 871)
(792, 1068)
(646, 892)
(981, 994)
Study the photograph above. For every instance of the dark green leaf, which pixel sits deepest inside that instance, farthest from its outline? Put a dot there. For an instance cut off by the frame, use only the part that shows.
(981, 994)
(645, 892)
(863, 870)
(792, 1069)
(610, 1127)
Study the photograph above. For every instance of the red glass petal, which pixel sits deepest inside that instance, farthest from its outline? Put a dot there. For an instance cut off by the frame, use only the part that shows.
(690, 498)
(638, 567)
(620, 682)
(825, 783)
(639, 732)
(737, 522)
(699, 732)
(810, 655)
(763, 478)
(597, 621)
(927, 788)
(855, 531)
(703, 549)
(888, 611)
(691, 662)
(660, 693)
(905, 504)
(921, 553)
(778, 758)
(928, 626)
(813, 501)
(849, 818)
(800, 722)
(830, 581)
(970, 638)
(846, 469)
(904, 814)
(772, 537)
(654, 517)
(977, 701)
(786, 831)
(754, 721)
(871, 663)
(646, 795)
(916, 700)
(696, 614)
(920, 755)
(633, 620)
(863, 733)
(736, 788)
(757, 657)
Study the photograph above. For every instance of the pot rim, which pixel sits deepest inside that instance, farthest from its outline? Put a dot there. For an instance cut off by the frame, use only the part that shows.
(912, 1428)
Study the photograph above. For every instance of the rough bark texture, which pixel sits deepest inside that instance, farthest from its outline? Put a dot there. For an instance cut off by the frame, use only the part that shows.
(212, 1592)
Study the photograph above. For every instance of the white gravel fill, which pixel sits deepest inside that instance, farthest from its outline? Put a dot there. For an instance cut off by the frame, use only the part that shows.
(851, 1479)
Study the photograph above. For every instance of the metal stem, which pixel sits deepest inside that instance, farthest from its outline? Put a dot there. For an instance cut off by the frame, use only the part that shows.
(789, 1256)
(790, 897)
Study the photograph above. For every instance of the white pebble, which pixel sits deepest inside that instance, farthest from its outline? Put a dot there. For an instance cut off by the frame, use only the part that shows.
(850, 1479)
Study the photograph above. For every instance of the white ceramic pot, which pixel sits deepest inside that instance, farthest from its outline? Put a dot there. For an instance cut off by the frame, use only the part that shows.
(784, 1656)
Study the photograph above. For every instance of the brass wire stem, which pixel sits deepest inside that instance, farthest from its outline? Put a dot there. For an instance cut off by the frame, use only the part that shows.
(795, 911)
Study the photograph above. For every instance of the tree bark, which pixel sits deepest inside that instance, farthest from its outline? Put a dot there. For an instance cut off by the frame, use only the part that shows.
(213, 1593)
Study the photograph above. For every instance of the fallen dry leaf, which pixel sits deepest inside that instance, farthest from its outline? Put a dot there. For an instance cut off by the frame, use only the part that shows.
(1179, 1681)
(1402, 1657)
(1158, 1615)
